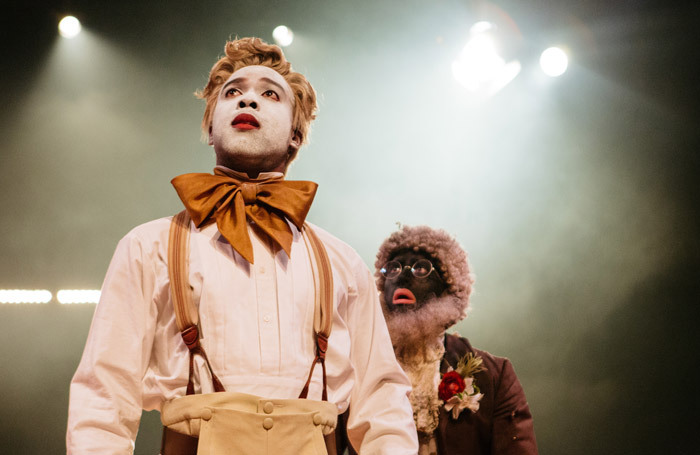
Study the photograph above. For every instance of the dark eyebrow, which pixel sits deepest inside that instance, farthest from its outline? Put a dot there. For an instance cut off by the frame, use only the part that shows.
(273, 83)
(232, 81)
(242, 79)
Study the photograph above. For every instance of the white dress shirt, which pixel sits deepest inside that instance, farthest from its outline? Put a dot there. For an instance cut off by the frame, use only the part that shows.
(257, 330)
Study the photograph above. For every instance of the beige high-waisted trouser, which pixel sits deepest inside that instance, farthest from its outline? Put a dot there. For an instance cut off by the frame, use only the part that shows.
(233, 423)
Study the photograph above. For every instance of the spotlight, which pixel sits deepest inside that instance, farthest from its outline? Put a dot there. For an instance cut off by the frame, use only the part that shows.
(479, 67)
(481, 27)
(554, 61)
(283, 35)
(69, 27)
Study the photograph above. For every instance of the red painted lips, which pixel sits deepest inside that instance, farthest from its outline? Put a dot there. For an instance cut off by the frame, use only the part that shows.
(245, 122)
(403, 296)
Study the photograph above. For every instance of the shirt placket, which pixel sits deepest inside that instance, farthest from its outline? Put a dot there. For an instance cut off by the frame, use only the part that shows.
(267, 305)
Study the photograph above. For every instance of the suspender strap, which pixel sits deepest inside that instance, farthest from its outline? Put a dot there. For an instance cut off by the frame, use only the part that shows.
(178, 270)
(186, 313)
(323, 303)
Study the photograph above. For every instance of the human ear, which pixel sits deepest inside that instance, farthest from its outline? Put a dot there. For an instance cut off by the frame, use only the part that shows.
(211, 139)
(295, 142)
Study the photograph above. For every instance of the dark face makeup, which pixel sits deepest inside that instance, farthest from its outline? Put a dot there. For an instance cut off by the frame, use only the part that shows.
(406, 292)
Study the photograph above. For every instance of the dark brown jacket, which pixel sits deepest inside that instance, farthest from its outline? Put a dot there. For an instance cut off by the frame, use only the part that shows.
(501, 426)
(503, 423)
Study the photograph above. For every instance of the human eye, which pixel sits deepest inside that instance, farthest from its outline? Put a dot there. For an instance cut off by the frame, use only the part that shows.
(422, 268)
(271, 94)
(231, 92)
(391, 269)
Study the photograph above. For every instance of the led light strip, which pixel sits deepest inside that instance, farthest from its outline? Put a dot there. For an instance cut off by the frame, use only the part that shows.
(42, 296)
(69, 296)
(25, 296)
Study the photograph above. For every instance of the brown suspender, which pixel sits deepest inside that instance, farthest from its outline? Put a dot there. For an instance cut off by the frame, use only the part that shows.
(187, 316)
(323, 303)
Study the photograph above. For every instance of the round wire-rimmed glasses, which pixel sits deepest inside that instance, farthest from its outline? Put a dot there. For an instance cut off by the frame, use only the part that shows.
(421, 269)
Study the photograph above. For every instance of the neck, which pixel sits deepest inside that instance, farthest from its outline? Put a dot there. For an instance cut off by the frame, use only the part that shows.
(426, 351)
(253, 172)
(238, 175)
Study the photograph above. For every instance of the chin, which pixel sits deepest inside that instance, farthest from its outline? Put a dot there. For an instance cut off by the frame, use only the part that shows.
(403, 308)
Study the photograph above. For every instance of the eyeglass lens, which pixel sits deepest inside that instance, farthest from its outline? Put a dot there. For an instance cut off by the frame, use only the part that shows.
(420, 269)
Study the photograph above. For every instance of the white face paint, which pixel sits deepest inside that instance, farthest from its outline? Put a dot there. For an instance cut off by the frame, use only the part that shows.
(251, 128)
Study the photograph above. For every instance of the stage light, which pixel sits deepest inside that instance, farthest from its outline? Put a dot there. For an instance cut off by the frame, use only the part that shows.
(283, 35)
(479, 67)
(66, 296)
(481, 27)
(478, 62)
(554, 61)
(25, 296)
(69, 27)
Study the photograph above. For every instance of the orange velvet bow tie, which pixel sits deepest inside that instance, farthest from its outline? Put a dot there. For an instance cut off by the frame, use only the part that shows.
(229, 202)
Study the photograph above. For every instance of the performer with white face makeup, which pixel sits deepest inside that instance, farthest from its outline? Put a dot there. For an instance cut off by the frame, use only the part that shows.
(260, 136)
(249, 328)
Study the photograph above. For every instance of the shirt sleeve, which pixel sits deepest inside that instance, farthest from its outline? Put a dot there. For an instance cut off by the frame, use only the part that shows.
(105, 393)
(381, 418)
(513, 429)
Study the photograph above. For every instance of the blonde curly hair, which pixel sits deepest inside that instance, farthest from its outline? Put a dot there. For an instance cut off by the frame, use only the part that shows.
(254, 51)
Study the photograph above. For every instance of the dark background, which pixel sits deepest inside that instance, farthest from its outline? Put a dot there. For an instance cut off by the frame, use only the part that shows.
(576, 197)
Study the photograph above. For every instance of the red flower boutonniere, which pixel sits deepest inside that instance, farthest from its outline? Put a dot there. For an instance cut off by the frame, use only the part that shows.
(457, 388)
(452, 384)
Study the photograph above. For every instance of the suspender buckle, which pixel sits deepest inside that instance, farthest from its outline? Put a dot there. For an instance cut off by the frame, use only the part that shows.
(191, 337)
